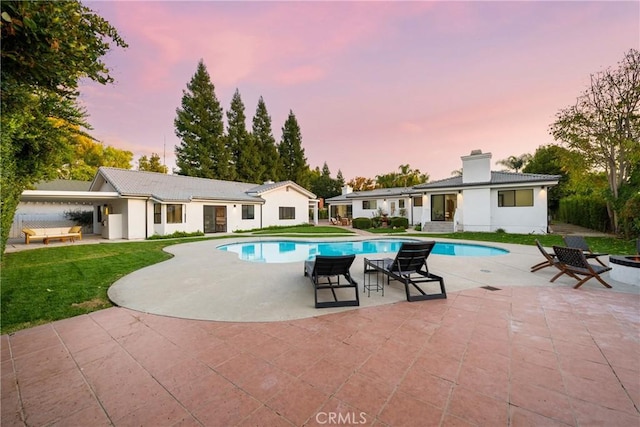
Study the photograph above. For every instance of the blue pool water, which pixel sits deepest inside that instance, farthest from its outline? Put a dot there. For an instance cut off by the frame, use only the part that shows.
(279, 251)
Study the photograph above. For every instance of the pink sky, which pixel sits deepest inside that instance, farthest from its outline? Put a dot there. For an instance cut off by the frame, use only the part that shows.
(373, 85)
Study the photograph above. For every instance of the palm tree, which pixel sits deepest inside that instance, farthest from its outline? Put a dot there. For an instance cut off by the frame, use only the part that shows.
(515, 163)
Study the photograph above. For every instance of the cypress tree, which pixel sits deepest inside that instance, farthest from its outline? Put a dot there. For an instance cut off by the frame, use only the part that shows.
(199, 126)
(265, 144)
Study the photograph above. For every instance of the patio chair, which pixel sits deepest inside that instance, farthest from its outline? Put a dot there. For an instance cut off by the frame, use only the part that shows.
(580, 243)
(573, 262)
(550, 259)
(409, 267)
(323, 269)
(333, 221)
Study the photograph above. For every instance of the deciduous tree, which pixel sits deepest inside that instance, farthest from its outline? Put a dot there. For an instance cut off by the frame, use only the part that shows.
(604, 124)
(360, 183)
(47, 47)
(152, 164)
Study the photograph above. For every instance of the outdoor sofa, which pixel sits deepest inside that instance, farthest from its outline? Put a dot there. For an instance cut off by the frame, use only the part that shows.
(53, 233)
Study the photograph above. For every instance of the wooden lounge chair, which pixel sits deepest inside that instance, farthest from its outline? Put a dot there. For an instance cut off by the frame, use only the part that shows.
(580, 243)
(322, 269)
(410, 268)
(573, 262)
(550, 259)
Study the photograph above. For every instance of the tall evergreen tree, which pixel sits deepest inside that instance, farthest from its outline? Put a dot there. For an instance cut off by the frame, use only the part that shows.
(294, 164)
(249, 167)
(322, 185)
(340, 180)
(265, 144)
(241, 151)
(199, 126)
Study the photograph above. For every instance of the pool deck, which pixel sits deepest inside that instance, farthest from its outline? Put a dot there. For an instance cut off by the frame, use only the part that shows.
(204, 283)
(528, 354)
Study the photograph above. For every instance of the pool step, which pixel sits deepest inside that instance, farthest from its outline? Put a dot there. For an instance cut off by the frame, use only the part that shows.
(438, 227)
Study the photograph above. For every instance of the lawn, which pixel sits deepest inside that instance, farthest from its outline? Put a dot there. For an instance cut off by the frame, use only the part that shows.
(47, 284)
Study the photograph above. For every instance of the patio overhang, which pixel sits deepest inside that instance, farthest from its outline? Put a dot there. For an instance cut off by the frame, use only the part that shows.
(67, 196)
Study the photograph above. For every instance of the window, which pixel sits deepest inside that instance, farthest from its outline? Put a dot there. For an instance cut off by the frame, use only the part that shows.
(401, 204)
(369, 204)
(157, 213)
(287, 212)
(510, 198)
(417, 201)
(248, 212)
(174, 214)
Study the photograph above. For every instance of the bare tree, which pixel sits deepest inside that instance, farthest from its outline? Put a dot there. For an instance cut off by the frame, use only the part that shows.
(604, 124)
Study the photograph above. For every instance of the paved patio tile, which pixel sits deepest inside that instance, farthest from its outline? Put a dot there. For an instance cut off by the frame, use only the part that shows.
(521, 356)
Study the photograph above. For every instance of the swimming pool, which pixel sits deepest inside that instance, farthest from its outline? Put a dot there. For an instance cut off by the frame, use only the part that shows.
(280, 251)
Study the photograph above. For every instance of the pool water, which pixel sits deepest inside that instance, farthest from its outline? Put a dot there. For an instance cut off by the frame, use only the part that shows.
(280, 251)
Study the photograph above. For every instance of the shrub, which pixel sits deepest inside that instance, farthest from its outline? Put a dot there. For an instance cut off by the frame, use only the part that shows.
(629, 218)
(399, 222)
(418, 227)
(176, 234)
(362, 223)
(80, 217)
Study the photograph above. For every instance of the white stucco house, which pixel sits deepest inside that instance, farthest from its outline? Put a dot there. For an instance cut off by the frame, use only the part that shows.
(130, 204)
(479, 200)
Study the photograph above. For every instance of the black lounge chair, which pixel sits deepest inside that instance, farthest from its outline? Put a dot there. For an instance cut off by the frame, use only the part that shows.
(326, 267)
(572, 261)
(580, 243)
(550, 259)
(410, 268)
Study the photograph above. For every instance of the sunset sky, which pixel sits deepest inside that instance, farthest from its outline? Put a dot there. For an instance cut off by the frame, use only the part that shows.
(373, 85)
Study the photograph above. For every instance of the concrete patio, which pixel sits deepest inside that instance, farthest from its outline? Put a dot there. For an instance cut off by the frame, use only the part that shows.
(529, 353)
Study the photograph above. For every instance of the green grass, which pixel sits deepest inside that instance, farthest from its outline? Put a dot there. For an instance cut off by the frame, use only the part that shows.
(48, 284)
(607, 245)
(386, 230)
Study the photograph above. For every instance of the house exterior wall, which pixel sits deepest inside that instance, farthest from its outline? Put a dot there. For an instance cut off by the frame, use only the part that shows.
(42, 215)
(235, 221)
(135, 225)
(521, 219)
(284, 197)
(410, 212)
(476, 210)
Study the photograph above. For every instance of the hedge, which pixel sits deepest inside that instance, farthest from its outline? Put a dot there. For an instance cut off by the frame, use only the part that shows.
(585, 211)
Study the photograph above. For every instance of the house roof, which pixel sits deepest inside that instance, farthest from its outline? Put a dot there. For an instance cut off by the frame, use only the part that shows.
(497, 178)
(271, 186)
(163, 187)
(377, 194)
